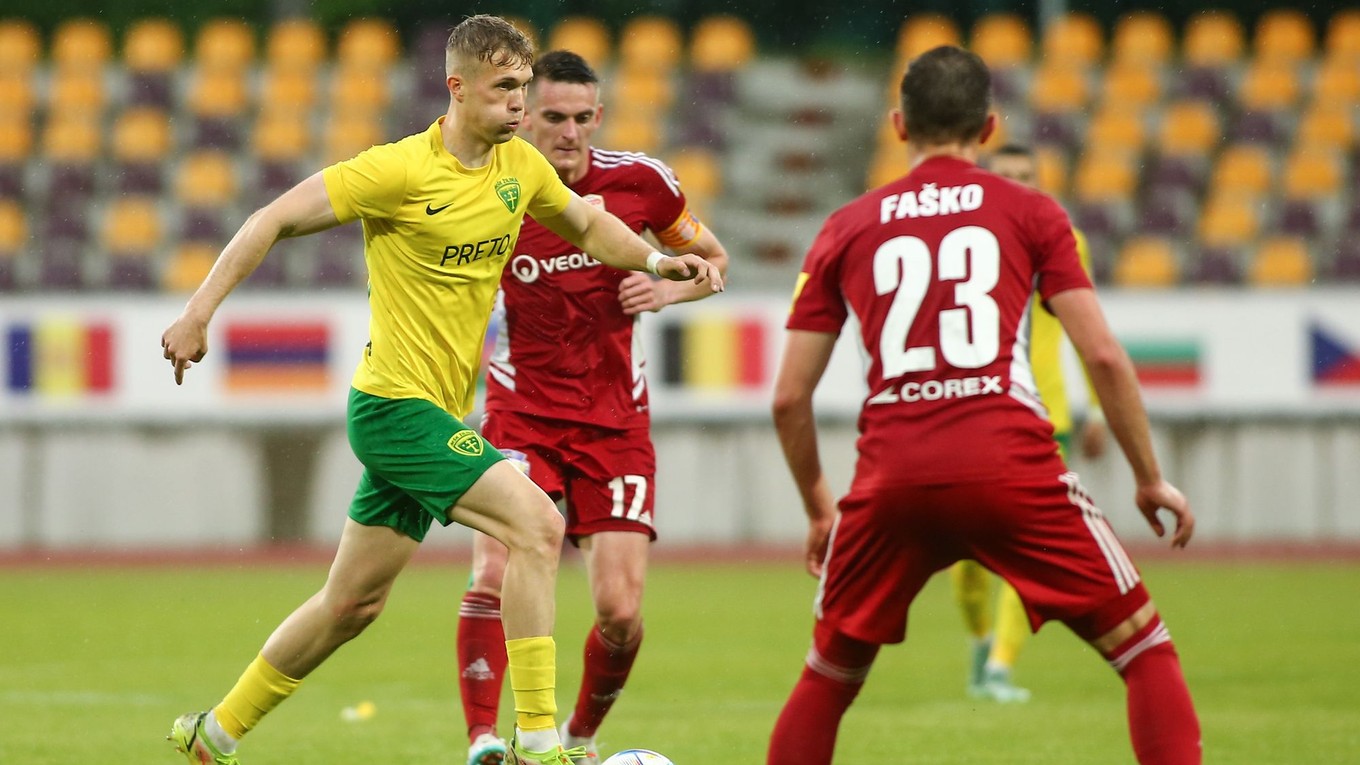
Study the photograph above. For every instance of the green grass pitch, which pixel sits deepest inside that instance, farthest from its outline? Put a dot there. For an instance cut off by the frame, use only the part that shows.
(94, 664)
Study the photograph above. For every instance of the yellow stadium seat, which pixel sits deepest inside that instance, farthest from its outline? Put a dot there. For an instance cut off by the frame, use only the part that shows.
(1230, 220)
(644, 89)
(281, 135)
(16, 138)
(81, 43)
(348, 134)
(1189, 127)
(1131, 84)
(1073, 38)
(16, 93)
(1147, 262)
(71, 140)
(77, 90)
(1327, 125)
(369, 43)
(1105, 175)
(650, 43)
(1312, 174)
(295, 45)
(1269, 86)
(699, 172)
(1002, 40)
(922, 31)
(1143, 38)
(633, 130)
(218, 92)
(1337, 82)
(1243, 168)
(721, 44)
(359, 88)
(584, 36)
(1343, 36)
(20, 46)
(13, 227)
(153, 45)
(206, 179)
(1284, 35)
(141, 135)
(132, 226)
(1050, 170)
(1281, 261)
(188, 266)
(1213, 39)
(290, 88)
(1058, 88)
(224, 44)
(1118, 127)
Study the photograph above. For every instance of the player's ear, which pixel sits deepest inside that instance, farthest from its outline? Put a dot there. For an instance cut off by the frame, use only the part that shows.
(988, 128)
(599, 114)
(899, 121)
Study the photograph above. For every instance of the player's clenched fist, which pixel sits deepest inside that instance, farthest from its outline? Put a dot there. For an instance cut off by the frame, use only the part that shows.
(185, 342)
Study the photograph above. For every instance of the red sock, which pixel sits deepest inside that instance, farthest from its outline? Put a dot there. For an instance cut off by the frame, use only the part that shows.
(1162, 720)
(805, 733)
(606, 670)
(481, 661)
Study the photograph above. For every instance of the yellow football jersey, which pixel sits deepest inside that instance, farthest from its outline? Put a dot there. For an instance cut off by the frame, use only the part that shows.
(436, 238)
(1045, 344)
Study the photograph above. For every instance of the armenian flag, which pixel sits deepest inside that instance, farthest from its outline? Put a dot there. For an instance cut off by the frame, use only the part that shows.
(278, 356)
(59, 357)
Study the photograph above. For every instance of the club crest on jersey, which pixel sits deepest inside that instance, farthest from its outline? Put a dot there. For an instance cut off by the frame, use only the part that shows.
(594, 200)
(508, 190)
(466, 442)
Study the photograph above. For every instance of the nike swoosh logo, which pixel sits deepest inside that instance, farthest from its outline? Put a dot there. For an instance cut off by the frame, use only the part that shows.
(433, 210)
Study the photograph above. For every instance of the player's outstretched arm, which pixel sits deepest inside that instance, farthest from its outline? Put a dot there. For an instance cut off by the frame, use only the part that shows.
(303, 209)
(609, 240)
(1116, 385)
(639, 292)
(806, 355)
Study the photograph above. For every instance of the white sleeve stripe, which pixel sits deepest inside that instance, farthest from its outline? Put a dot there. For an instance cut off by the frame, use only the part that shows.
(609, 159)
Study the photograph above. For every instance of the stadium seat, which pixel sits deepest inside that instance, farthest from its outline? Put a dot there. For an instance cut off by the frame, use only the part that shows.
(585, 36)
(359, 88)
(71, 147)
(1269, 86)
(295, 46)
(1117, 126)
(1284, 36)
(1142, 38)
(721, 44)
(77, 91)
(141, 142)
(206, 179)
(83, 44)
(281, 135)
(1216, 265)
(20, 46)
(131, 234)
(1146, 262)
(348, 134)
(16, 141)
(1243, 168)
(700, 174)
(1230, 220)
(1281, 262)
(1337, 82)
(1213, 39)
(1131, 85)
(13, 242)
(650, 43)
(368, 43)
(1326, 125)
(153, 50)
(1312, 174)
(1343, 37)
(16, 94)
(1105, 175)
(224, 44)
(1189, 128)
(1050, 170)
(1075, 39)
(188, 266)
(288, 88)
(218, 100)
(1058, 89)
(633, 130)
(922, 31)
(642, 89)
(1003, 40)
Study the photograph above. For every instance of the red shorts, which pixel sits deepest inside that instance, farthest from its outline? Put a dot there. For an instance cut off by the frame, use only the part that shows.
(1044, 536)
(606, 476)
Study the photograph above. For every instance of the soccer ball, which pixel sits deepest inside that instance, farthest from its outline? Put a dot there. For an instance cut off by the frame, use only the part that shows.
(638, 757)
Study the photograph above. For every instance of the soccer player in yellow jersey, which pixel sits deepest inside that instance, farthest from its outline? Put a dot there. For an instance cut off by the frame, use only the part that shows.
(441, 211)
(996, 646)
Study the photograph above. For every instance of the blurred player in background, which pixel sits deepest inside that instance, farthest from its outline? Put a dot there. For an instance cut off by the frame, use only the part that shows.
(956, 456)
(567, 400)
(441, 211)
(995, 649)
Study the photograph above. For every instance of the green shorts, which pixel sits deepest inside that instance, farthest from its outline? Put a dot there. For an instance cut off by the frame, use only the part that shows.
(418, 462)
(1064, 440)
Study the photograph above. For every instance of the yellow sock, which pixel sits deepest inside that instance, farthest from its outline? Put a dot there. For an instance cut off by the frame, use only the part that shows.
(972, 591)
(259, 690)
(533, 681)
(1012, 627)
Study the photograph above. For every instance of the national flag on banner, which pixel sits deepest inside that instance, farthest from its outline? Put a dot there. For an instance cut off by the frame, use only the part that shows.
(1166, 363)
(1334, 361)
(715, 352)
(59, 357)
(278, 356)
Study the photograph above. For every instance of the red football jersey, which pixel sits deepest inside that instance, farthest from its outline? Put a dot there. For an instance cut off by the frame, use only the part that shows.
(938, 268)
(566, 350)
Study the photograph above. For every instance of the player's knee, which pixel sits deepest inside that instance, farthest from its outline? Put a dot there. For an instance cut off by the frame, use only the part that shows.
(539, 528)
(352, 615)
(619, 622)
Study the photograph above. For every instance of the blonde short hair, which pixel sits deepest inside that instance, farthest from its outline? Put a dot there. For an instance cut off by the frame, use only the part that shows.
(489, 40)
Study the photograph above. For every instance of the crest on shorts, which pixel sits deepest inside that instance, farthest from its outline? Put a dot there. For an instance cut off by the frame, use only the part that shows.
(467, 442)
(508, 190)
